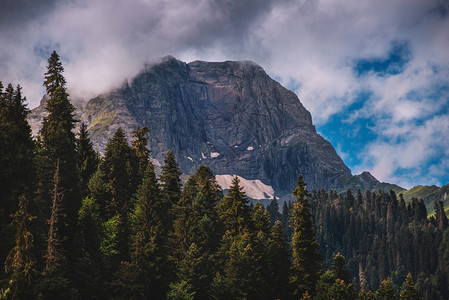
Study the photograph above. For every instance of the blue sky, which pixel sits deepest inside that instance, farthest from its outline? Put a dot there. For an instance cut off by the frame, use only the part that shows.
(374, 74)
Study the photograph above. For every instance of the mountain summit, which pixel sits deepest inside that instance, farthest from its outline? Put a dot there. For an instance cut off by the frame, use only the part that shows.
(229, 115)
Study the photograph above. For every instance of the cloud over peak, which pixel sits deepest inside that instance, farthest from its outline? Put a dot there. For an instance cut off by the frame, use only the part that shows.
(349, 62)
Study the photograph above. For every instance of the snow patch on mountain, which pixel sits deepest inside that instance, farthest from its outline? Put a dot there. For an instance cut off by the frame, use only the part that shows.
(254, 189)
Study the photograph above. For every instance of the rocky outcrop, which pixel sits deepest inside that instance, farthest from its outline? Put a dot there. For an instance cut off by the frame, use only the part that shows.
(231, 116)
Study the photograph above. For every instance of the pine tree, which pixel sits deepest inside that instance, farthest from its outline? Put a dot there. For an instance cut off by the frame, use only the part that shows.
(273, 210)
(89, 269)
(279, 262)
(386, 290)
(170, 178)
(243, 269)
(87, 157)
(118, 168)
(139, 144)
(17, 168)
(260, 219)
(20, 263)
(196, 269)
(53, 76)
(59, 146)
(440, 216)
(197, 232)
(182, 234)
(366, 295)
(339, 268)
(99, 190)
(331, 287)
(234, 210)
(408, 290)
(150, 226)
(306, 264)
(16, 150)
(180, 291)
(206, 231)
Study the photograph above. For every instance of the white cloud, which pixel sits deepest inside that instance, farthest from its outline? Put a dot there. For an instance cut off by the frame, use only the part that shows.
(309, 45)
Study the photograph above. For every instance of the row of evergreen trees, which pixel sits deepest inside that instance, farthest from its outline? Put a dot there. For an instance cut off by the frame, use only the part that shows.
(77, 225)
(382, 237)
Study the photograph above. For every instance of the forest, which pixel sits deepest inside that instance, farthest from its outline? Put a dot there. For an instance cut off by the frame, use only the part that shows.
(75, 224)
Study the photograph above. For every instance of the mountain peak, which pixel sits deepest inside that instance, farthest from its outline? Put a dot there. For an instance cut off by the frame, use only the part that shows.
(229, 115)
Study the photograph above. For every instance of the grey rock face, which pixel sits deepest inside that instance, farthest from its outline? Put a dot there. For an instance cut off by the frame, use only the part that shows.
(231, 116)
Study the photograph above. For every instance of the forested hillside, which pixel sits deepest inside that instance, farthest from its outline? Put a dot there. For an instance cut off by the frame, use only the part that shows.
(77, 225)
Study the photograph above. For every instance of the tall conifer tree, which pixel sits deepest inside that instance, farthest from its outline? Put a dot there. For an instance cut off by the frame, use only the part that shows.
(150, 254)
(59, 146)
(170, 178)
(408, 291)
(306, 262)
(119, 168)
(87, 158)
(139, 144)
(17, 168)
(234, 209)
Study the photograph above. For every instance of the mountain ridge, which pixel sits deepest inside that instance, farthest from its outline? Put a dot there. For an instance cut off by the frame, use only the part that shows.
(229, 115)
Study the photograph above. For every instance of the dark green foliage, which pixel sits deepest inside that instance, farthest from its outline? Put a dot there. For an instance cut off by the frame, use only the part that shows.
(170, 178)
(206, 231)
(87, 158)
(234, 210)
(273, 210)
(197, 231)
(306, 264)
(383, 237)
(130, 282)
(59, 147)
(366, 295)
(260, 219)
(331, 287)
(139, 144)
(54, 281)
(180, 291)
(118, 169)
(181, 237)
(89, 268)
(100, 191)
(53, 76)
(242, 268)
(408, 290)
(17, 168)
(279, 263)
(440, 216)
(20, 264)
(150, 230)
(339, 268)
(386, 290)
(196, 269)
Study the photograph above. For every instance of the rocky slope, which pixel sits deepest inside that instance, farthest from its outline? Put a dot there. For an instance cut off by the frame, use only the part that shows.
(231, 116)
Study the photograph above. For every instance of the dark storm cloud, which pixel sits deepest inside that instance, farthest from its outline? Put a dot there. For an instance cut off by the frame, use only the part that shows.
(15, 13)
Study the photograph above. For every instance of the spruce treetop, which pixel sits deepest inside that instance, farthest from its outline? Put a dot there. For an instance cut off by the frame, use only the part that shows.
(53, 76)
(409, 292)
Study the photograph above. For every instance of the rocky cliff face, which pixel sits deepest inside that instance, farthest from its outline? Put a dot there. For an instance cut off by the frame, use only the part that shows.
(231, 116)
